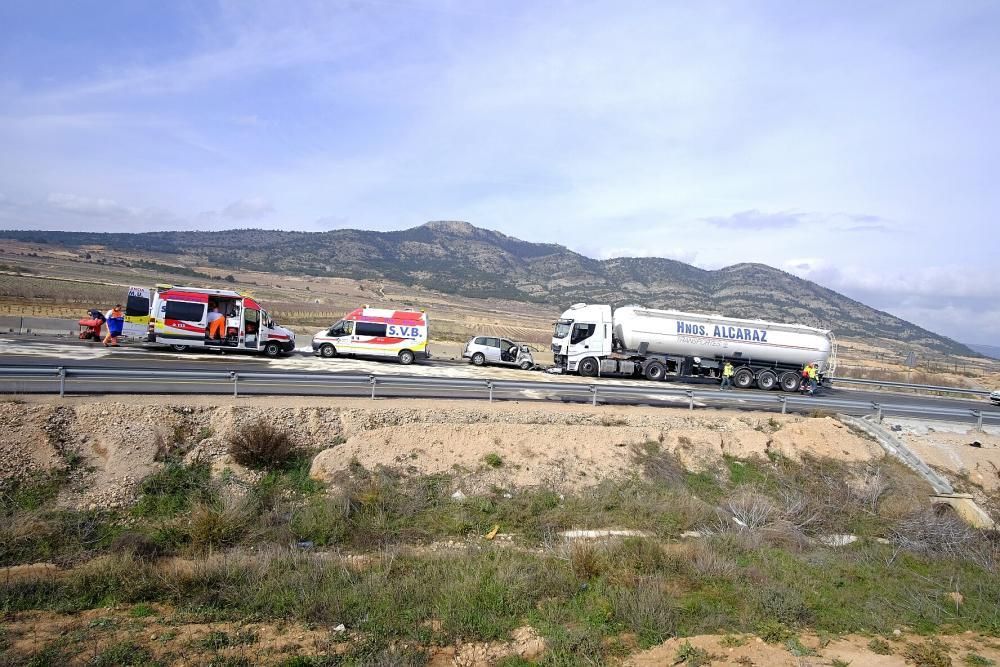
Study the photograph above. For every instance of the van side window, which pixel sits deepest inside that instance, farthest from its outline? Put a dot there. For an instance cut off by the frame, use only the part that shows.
(582, 332)
(185, 311)
(369, 329)
(492, 342)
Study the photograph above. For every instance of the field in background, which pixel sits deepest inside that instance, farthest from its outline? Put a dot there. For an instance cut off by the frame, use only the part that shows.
(41, 281)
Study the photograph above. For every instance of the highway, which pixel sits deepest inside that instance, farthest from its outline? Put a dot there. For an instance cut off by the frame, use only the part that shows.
(432, 379)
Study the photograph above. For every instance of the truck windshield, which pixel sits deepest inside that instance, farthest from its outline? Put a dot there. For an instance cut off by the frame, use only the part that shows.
(562, 328)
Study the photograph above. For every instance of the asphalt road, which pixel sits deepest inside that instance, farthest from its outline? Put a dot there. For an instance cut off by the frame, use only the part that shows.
(407, 382)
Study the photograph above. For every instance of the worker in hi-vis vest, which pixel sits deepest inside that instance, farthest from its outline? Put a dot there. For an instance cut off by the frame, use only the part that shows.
(727, 376)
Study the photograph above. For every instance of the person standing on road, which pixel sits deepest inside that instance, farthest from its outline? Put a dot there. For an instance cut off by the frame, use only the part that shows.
(115, 319)
(813, 378)
(727, 376)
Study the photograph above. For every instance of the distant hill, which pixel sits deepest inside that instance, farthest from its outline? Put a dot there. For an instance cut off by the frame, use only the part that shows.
(992, 351)
(458, 258)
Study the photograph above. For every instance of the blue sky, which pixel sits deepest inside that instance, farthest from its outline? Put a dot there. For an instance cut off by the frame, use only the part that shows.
(852, 143)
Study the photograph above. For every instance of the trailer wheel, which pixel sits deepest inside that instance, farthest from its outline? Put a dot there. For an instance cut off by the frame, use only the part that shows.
(766, 380)
(478, 359)
(272, 350)
(655, 371)
(789, 381)
(406, 357)
(328, 351)
(743, 378)
(588, 367)
(180, 348)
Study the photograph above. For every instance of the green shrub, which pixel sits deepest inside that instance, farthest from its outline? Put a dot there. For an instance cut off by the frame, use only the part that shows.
(493, 460)
(173, 489)
(262, 445)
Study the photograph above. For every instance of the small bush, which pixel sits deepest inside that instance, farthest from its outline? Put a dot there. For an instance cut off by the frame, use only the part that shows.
(880, 647)
(123, 653)
(976, 660)
(172, 490)
(493, 460)
(262, 445)
(137, 545)
(646, 610)
(932, 653)
(691, 656)
(218, 524)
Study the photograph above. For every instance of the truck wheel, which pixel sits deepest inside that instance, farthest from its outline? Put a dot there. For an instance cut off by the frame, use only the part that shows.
(526, 365)
(406, 357)
(789, 381)
(479, 359)
(588, 367)
(272, 350)
(743, 378)
(180, 348)
(655, 371)
(328, 351)
(766, 380)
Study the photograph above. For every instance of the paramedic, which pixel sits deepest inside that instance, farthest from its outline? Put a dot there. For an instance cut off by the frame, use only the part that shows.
(727, 376)
(216, 323)
(115, 319)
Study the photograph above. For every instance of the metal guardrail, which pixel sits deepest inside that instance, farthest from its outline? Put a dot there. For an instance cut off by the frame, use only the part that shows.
(906, 385)
(394, 385)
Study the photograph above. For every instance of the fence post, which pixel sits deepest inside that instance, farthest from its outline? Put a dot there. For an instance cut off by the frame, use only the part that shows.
(62, 381)
(877, 407)
(784, 404)
(978, 414)
(235, 377)
(371, 378)
(593, 390)
(489, 385)
(690, 395)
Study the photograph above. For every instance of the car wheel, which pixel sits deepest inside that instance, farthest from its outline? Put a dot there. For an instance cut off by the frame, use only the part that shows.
(588, 367)
(180, 348)
(272, 350)
(479, 359)
(767, 380)
(655, 371)
(406, 357)
(526, 365)
(328, 351)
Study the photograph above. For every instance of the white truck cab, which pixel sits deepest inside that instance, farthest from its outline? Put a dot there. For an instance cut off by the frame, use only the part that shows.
(582, 336)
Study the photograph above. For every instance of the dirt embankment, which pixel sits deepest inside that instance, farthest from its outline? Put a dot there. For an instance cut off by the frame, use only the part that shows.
(117, 443)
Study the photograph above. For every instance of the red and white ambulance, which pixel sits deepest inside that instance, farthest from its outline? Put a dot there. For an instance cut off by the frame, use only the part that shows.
(193, 317)
(376, 332)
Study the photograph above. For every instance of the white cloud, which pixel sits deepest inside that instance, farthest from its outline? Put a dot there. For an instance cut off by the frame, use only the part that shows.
(90, 206)
(250, 208)
(754, 220)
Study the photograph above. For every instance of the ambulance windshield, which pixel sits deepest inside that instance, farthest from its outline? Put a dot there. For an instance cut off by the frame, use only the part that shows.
(562, 328)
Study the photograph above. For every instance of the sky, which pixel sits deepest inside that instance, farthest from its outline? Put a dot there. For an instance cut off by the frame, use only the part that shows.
(852, 143)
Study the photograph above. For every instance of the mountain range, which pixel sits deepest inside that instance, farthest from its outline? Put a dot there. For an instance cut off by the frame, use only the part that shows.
(458, 258)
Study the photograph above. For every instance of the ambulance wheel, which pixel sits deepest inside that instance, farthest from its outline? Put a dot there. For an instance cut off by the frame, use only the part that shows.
(406, 357)
(180, 348)
(743, 378)
(328, 351)
(767, 380)
(478, 359)
(272, 350)
(655, 371)
(588, 367)
(526, 365)
(789, 381)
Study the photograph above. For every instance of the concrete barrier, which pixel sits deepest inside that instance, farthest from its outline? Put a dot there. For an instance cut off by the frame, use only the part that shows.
(26, 326)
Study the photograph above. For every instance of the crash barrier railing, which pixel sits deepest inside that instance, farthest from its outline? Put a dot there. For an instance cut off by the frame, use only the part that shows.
(906, 385)
(402, 385)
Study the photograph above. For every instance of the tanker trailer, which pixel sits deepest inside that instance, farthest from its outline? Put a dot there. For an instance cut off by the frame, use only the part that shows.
(650, 343)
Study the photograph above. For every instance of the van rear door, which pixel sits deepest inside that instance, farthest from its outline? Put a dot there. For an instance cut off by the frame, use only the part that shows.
(137, 312)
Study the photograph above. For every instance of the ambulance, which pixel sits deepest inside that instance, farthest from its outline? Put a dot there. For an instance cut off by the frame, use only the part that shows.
(191, 318)
(376, 332)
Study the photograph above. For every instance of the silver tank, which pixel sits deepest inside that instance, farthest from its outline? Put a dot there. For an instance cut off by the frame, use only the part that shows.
(690, 334)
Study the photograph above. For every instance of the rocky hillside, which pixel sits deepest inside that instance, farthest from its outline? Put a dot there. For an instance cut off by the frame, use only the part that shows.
(458, 258)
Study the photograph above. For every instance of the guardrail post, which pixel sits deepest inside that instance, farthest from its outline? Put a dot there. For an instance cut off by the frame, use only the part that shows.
(784, 404)
(371, 378)
(489, 385)
(62, 381)
(593, 390)
(877, 407)
(235, 377)
(978, 414)
(690, 395)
